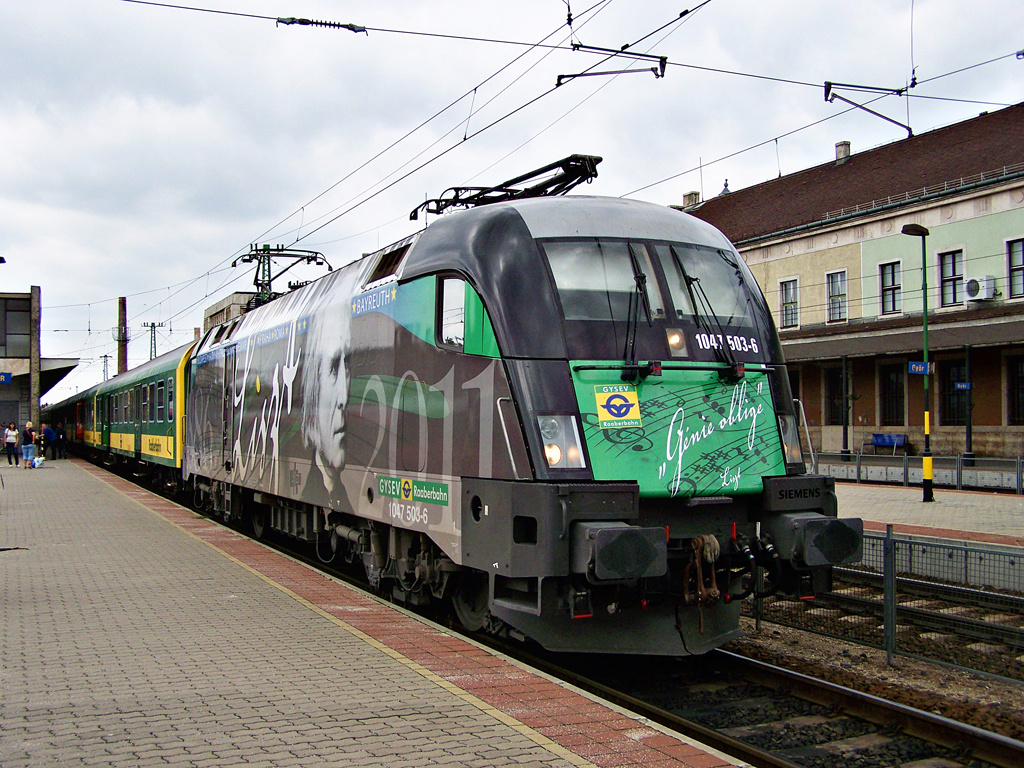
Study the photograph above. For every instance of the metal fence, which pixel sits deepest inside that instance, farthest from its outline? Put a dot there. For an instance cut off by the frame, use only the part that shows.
(955, 603)
(1005, 474)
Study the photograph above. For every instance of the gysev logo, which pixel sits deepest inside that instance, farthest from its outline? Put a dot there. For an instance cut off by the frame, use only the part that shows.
(617, 406)
(413, 490)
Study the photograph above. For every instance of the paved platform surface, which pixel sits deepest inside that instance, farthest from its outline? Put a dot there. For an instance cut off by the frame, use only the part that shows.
(135, 633)
(994, 518)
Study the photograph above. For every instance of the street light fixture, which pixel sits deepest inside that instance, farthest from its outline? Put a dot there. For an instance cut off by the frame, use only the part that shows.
(916, 230)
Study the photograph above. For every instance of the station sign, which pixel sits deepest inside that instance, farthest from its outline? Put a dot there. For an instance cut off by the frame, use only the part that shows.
(962, 386)
(920, 367)
(6, 377)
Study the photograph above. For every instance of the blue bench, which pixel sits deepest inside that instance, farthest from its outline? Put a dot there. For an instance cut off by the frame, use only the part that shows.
(887, 440)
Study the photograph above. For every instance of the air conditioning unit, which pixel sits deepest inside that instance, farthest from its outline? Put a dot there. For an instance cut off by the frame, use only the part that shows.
(981, 288)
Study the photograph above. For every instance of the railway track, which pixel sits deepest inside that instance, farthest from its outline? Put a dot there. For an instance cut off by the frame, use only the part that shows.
(972, 628)
(769, 716)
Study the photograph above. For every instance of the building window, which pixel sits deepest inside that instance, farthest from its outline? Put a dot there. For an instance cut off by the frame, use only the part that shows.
(1015, 385)
(891, 288)
(836, 296)
(15, 327)
(890, 388)
(952, 401)
(833, 396)
(951, 265)
(1016, 254)
(789, 307)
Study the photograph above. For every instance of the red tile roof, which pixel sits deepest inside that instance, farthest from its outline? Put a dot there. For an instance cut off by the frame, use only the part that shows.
(902, 171)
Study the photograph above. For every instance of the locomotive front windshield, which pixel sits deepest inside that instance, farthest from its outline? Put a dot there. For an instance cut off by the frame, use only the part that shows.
(706, 292)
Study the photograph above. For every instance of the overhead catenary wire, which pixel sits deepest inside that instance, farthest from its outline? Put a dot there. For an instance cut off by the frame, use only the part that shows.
(794, 131)
(372, 159)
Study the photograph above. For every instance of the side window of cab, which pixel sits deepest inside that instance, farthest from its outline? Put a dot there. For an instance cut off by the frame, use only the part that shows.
(462, 322)
(452, 322)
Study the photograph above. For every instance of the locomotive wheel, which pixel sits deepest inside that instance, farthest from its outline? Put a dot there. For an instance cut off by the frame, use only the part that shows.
(258, 519)
(470, 601)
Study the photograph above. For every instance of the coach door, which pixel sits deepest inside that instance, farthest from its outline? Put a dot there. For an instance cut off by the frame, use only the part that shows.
(227, 415)
(135, 411)
(104, 404)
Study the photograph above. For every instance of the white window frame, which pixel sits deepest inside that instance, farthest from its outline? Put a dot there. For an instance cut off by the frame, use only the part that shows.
(958, 280)
(1011, 268)
(843, 298)
(896, 289)
(794, 305)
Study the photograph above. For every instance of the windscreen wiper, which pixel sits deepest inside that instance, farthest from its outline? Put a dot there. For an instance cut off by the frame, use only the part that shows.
(734, 369)
(637, 298)
(758, 311)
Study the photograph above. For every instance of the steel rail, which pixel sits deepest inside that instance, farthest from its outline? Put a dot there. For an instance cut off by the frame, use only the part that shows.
(983, 745)
(934, 621)
(950, 593)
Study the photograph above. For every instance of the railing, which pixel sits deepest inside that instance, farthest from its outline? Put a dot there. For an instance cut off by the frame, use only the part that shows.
(946, 186)
(955, 603)
(960, 472)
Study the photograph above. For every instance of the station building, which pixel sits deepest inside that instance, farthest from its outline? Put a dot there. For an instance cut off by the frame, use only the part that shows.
(846, 285)
(24, 375)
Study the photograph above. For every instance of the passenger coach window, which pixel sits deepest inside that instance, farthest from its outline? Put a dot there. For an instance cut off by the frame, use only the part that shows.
(170, 399)
(596, 279)
(160, 401)
(453, 312)
(145, 404)
(152, 401)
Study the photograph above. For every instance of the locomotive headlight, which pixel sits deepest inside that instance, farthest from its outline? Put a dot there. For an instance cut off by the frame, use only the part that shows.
(550, 427)
(553, 454)
(676, 342)
(562, 446)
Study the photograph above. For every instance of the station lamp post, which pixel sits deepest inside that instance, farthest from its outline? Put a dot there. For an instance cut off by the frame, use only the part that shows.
(916, 230)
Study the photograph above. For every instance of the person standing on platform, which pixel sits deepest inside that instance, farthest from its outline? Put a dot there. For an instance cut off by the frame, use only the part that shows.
(28, 445)
(11, 444)
(62, 440)
(49, 442)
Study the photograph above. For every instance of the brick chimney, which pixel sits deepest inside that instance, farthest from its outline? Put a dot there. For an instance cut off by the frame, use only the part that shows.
(842, 152)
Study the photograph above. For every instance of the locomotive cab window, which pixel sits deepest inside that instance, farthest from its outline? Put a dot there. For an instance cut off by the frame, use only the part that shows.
(462, 321)
(598, 280)
(452, 324)
(656, 300)
(707, 283)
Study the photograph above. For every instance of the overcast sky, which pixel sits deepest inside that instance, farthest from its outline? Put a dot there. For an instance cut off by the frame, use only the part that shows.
(143, 148)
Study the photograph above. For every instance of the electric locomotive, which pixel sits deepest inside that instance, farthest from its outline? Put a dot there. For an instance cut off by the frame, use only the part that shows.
(569, 416)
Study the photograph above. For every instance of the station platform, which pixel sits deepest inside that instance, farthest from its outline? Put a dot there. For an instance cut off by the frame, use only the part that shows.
(134, 632)
(984, 517)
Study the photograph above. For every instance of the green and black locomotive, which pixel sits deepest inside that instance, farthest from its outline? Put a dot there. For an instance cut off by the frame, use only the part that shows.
(568, 416)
